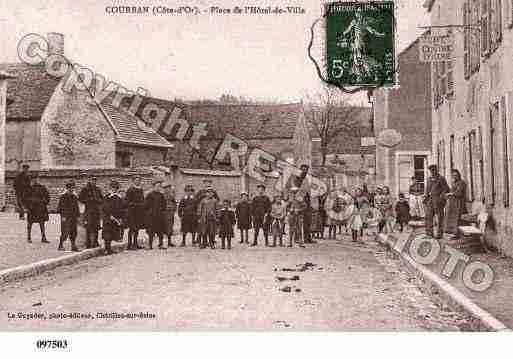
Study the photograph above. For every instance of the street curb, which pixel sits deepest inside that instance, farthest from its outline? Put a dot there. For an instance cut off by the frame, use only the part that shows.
(34, 269)
(482, 319)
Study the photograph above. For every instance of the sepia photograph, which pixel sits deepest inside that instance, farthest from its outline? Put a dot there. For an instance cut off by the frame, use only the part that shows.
(284, 169)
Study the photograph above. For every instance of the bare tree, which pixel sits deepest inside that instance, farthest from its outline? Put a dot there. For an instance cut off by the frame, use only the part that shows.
(329, 114)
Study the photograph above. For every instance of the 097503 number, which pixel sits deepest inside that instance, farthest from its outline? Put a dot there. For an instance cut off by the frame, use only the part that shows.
(51, 344)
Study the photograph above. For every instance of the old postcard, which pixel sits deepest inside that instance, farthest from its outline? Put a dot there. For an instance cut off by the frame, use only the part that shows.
(268, 166)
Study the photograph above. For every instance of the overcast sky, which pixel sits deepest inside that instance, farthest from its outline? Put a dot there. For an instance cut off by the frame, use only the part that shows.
(190, 57)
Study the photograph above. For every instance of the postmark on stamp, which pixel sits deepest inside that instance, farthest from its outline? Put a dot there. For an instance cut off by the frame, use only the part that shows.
(360, 43)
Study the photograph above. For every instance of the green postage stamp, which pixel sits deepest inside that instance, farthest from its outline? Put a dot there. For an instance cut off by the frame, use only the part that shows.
(360, 43)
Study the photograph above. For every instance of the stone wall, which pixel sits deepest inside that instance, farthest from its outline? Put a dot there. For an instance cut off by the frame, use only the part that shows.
(74, 133)
(55, 181)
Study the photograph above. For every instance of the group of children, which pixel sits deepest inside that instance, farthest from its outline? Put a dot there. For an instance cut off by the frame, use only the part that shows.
(205, 216)
(338, 209)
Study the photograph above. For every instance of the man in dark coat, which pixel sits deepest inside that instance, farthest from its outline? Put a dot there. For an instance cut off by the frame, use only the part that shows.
(434, 200)
(187, 211)
(91, 196)
(243, 214)
(68, 209)
(114, 208)
(260, 209)
(134, 199)
(36, 201)
(154, 208)
(21, 187)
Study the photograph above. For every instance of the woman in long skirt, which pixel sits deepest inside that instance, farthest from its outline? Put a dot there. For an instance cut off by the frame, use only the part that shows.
(457, 203)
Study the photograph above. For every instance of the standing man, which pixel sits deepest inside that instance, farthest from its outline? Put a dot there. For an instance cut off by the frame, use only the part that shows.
(154, 209)
(200, 195)
(135, 212)
(37, 200)
(68, 209)
(434, 199)
(208, 211)
(113, 213)
(170, 196)
(21, 187)
(260, 209)
(303, 183)
(91, 196)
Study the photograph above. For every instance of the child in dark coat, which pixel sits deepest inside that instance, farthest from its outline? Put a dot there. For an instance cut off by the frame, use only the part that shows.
(402, 210)
(68, 209)
(243, 213)
(187, 211)
(226, 223)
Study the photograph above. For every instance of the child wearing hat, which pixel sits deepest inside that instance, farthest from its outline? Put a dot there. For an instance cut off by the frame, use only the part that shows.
(278, 213)
(297, 209)
(113, 213)
(69, 211)
(226, 223)
(243, 214)
(402, 210)
(187, 211)
(260, 208)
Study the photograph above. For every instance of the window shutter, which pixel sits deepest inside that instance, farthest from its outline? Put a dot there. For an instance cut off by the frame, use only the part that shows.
(498, 13)
(484, 27)
(505, 157)
(466, 44)
(450, 78)
(476, 37)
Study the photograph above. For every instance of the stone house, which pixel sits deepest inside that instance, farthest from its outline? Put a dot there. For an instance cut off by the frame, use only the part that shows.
(405, 110)
(61, 133)
(52, 128)
(472, 107)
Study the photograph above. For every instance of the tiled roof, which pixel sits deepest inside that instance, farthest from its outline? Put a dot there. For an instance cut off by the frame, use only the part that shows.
(244, 121)
(29, 92)
(204, 172)
(130, 130)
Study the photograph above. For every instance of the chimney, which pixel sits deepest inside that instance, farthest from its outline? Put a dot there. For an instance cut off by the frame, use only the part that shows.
(55, 43)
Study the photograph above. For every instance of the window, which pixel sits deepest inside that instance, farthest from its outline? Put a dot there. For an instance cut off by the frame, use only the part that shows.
(505, 158)
(508, 13)
(481, 166)
(464, 156)
(444, 81)
(471, 44)
(441, 157)
(451, 152)
(410, 166)
(494, 112)
(491, 25)
(485, 28)
(123, 159)
(496, 14)
(419, 164)
(471, 156)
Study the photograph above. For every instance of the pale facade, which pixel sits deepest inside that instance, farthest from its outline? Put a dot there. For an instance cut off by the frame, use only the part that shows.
(473, 105)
